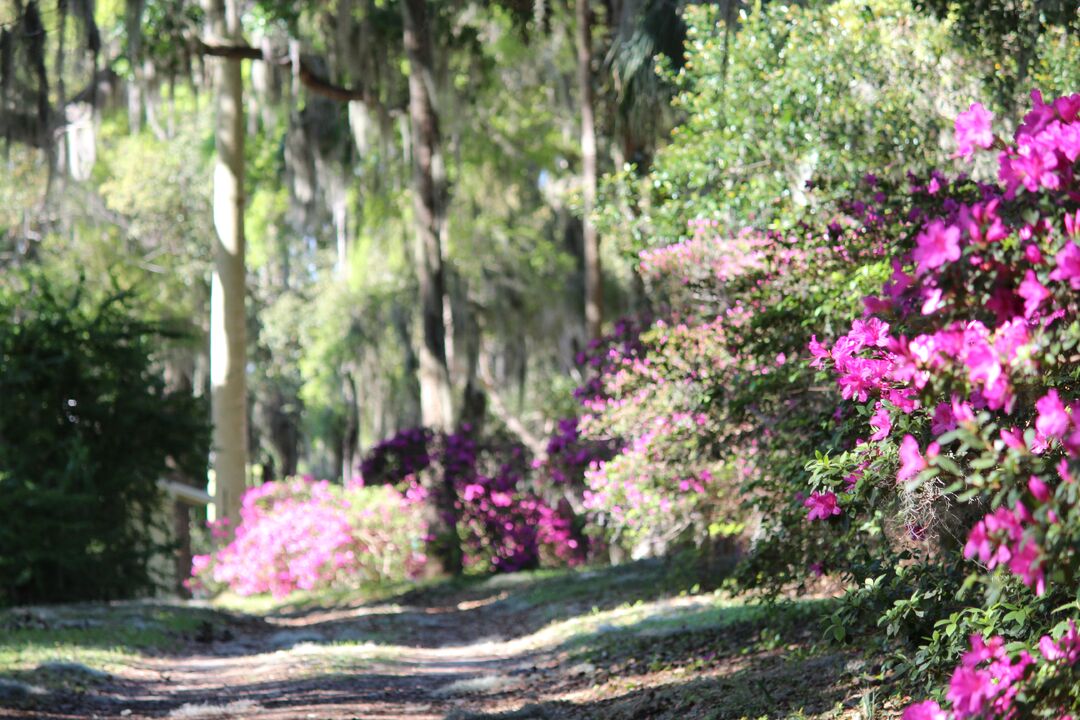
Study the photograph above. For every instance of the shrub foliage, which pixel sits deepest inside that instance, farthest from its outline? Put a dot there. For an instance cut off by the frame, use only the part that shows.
(87, 427)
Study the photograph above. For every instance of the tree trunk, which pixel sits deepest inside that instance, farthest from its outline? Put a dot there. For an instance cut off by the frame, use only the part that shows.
(350, 443)
(228, 342)
(594, 289)
(133, 25)
(429, 217)
(429, 196)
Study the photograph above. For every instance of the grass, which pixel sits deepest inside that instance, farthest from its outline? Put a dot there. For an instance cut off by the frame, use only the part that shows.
(98, 637)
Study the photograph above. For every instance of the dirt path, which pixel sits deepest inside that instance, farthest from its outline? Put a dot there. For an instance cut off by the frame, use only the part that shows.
(604, 646)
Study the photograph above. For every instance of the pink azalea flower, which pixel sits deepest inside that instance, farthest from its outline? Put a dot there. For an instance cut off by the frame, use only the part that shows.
(874, 304)
(973, 130)
(1067, 107)
(932, 300)
(982, 222)
(1038, 117)
(1053, 419)
(976, 691)
(871, 332)
(970, 691)
(501, 499)
(1039, 489)
(199, 563)
(981, 651)
(936, 245)
(943, 420)
(926, 710)
(990, 539)
(982, 363)
(881, 423)
(978, 543)
(899, 281)
(1072, 224)
(1033, 165)
(911, 460)
(962, 411)
(1010, 337)
(822, 506)
(472, 492)
(1049, 649)
(1033, 292)
(1027, 563)
(999, 539)
(1068, 266)
(1067, 649)
(818, 351)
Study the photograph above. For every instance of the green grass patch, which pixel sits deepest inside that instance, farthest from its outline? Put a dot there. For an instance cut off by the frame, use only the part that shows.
(99, 637)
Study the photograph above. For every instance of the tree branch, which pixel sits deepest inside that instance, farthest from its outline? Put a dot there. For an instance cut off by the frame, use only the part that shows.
(499, 409)
(308, 77)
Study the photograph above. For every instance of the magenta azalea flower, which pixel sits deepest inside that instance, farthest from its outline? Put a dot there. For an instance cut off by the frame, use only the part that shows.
(822, 506)
(1038, 488)
(1027, 564)
(881, 423)
(1068, 265)
(1067, 649)
(943, 420)
(936, 245)
(911, 460)
(970, 691)
(1053, 420)
(973, 130)
(1033, 292)
(871, 332)
(926, 710)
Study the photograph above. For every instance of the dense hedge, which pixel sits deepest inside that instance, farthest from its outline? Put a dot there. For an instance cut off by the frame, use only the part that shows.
(87, 427)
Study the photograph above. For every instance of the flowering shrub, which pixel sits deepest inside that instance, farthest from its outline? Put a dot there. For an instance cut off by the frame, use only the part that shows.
(991, 681)
(962, 376)
(569, 454)
(397, 457)
(502, 526)
(708, 406)
(894, 400)
(305, 535)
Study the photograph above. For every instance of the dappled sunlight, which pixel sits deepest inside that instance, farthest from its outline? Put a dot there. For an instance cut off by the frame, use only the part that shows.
(533, 360)
(492, 644)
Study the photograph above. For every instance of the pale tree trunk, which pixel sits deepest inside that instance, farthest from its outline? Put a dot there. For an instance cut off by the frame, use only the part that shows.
(228, 342)
(594, 289)
(429, 196)
(133, 14)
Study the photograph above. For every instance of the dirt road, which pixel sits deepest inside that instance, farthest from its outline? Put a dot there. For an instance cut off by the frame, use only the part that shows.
(610, 644)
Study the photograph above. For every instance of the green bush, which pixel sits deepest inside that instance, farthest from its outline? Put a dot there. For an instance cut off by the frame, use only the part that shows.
(87, 427)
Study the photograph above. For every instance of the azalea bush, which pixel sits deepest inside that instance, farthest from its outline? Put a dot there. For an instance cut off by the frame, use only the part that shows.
(503, 524)
(889, 391)
(709, 407)
(960, 378)
(300, 534)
